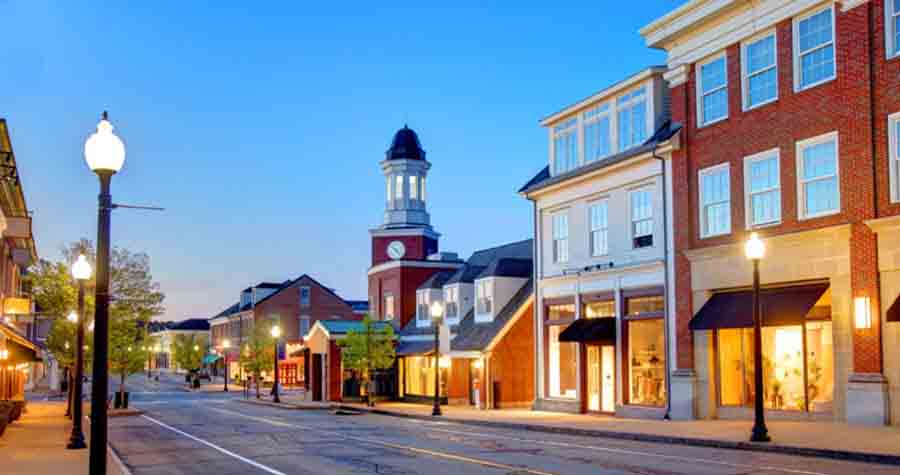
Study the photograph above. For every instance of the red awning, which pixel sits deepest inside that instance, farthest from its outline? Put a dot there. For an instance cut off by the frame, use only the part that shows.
(778, 306)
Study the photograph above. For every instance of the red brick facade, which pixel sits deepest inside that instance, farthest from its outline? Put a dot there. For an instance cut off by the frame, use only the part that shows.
(285, 304)
(417, 247)
(401, 282)
(855, 104)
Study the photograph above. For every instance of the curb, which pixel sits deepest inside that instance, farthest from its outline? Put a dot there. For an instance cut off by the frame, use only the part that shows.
(118, 460)
(846, 455)
(284, 405)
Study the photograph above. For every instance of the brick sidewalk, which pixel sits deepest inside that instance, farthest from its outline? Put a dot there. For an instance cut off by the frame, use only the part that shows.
(36, 444)
(822, 439)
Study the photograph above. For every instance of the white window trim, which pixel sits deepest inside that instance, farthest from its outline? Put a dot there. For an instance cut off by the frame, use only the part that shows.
(588, 121)
(796, 48)
(572, 129)
(801, 196)
(448, 292)
(590, 226)
(649, 188)
(701, 120)
(399, 191)
(413, 187)
(748, 203)
(487, 284)
(894, 156)
(745, 73)
(554, 256)
(700, 174)
(615, 145)
(891, 50)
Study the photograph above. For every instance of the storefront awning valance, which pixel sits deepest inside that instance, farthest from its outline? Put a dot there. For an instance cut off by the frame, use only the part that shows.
(21, 350)
(210, 359)
(778, 306)
(586, 330)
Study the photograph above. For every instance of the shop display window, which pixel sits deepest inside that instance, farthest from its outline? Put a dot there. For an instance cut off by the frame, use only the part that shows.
(418, 374)
(600, 309)
(647, 365)
(562, 362)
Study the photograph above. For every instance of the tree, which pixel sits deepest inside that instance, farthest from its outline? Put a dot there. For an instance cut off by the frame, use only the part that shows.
(188, 351)
(258, 353)
(62, 343)
(126, 348)
(369, 350)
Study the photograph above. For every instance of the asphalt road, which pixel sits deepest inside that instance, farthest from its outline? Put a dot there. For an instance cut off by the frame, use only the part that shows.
(203, 433)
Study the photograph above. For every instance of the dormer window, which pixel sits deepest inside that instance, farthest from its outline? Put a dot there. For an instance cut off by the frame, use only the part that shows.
(596, 133)
(451, 302)
(422, 306)
(484, 297)
(565, 146)
(632, 118)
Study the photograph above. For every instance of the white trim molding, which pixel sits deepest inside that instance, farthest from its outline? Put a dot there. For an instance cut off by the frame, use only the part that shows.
(677, 75)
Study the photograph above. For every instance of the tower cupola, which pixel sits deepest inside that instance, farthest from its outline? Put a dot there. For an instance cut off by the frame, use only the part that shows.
(405, 170)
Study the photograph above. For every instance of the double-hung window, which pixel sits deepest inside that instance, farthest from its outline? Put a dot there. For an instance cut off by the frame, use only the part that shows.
(304, 296)
(631, 118)
(760, 66)
(599, 226)
(817, 171)
(422, 308)
(596, 132)
(484, 296)
(814, 49)
(450, 302)
(712, 90)
(894, 155)
(565, 146)
(561, 237)
(715, 201)
(641, 219)
(892, 27)
(304, 326)
(762, 178)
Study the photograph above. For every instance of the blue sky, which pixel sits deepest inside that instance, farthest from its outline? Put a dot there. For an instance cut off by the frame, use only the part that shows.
(259, 126)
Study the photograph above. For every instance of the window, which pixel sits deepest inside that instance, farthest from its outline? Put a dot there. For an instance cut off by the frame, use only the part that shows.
(712, 93)
(304, 296)
(389, 306)
(388, 186)
(760, 71)
(763, 188)
(632, 118)
(597, 133)
(892, 27)
(599, 226)
(484, 296)
(422, 309)
(418, 376)
(451, 302)
(818, 176)
(894, 154)
(814, 49)
(398, 187)
(565, 146)
(649, 306)
(641, 219)
(715, 201)
(646, 362)
(561, 237)
(602, 309)
(422, 181)
(413, 187)
(304, 326)
(784, 367)
(562, 357)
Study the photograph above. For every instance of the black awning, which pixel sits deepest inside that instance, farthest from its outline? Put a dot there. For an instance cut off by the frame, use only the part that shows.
(778, 306)
(893, 313)
(585, 330)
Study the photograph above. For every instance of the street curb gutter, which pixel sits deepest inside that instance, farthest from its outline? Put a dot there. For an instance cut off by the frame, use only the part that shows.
(846, 455)
(118, 460)
(285, 406)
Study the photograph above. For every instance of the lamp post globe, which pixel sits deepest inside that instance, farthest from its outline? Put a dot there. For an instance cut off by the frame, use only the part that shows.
(81, 268)
(276, 333)
(437, 317)
(104, 153)
(755, 250)
(72, 317)
(81, 272)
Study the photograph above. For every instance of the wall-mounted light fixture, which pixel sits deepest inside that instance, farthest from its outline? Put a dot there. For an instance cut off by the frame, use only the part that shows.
(862, 313)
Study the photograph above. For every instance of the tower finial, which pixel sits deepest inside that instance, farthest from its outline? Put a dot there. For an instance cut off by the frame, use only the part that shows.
(105, 115)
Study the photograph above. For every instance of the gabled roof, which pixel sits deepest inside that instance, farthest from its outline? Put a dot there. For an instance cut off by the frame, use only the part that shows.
(191, 324)
(543, 179)
(473, 336)
(508, 267)
(235, 308)
(411, 329)
(482, 259)
(437, 280)
(465, 275)
(290, 283)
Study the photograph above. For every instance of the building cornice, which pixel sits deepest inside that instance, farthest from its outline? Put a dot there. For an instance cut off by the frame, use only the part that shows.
(388, 232)
(419, 264)
(677, 75)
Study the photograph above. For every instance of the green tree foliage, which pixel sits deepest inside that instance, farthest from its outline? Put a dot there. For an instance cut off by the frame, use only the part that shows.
(368, 350)
(127, 344)
(258, 353)
(188, 351)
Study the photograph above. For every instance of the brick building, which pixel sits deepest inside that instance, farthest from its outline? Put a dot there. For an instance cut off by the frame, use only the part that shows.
(789, 113)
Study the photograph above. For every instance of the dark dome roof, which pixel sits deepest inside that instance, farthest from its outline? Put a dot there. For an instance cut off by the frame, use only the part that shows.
(405, 146)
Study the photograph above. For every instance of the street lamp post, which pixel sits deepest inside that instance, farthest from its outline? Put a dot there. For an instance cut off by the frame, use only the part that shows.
(104, 153)
(276, 333)
(437, 316)
(225, 345)
(755, 249)
(81, 271)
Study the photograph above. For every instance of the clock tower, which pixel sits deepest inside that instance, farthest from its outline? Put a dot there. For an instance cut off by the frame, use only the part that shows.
(405, 246)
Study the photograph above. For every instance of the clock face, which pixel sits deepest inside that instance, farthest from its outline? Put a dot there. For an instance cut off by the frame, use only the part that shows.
(396, 250)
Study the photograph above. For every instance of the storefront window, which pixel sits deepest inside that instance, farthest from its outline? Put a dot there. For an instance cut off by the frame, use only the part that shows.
(562, 364)
(418, 374)
(600, 309)
(642, 306)
(647, 365)
(561, 312)
(784, 364)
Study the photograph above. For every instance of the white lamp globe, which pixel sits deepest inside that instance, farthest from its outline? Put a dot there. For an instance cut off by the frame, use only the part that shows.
(81, 269)
(276, 331)
(103, 150)
(72, 317)
(755, 249)
(437, 311)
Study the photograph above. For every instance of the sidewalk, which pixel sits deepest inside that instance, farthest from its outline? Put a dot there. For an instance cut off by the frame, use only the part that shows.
(36, 444)
(816, 439)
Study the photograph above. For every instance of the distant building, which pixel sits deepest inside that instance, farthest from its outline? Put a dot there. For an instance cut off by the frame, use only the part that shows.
(162, 354)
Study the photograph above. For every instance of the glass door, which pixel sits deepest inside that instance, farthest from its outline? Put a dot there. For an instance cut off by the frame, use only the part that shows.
(593, 378)
(608, 378)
